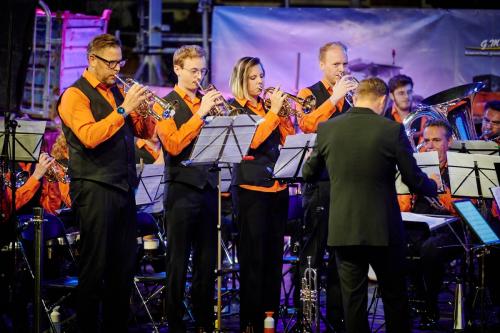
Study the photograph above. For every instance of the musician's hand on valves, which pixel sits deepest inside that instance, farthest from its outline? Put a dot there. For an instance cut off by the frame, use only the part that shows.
(344, 84)
(44, 163)
(134, 97)
(277, 99)
(208, 101)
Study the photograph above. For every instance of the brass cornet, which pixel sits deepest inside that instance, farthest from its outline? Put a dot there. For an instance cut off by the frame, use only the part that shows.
(145, 110)
(348, 95)
(57, 173)
(308, 104)
(221, 107)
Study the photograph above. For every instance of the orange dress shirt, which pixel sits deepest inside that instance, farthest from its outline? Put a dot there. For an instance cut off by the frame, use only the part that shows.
(263, 131)
(174, 139)
(309, 122)
(140, 143)
(75, 112)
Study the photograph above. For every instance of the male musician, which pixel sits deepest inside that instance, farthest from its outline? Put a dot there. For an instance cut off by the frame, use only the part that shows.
(330, 95)
(191, 203)
(365, 225)
(401, 95)
(491, 121)
(99, 124)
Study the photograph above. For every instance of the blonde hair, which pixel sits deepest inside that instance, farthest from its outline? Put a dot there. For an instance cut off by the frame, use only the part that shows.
(101, 42)
(238, 80)
(188, 51)
(60, 148)
(371, 88)
(329, 46)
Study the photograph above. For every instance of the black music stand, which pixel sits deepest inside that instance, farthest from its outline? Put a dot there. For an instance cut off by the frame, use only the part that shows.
(297, 148)
(429, 163)
(471, 175)
(150, 190)
(222, 140)
(475, 147)
(28, 139)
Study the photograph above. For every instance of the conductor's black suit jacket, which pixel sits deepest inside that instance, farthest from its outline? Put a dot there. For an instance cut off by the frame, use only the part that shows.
(361, 151)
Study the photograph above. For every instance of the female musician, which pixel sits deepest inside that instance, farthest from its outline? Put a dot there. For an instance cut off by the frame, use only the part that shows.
(261, 203)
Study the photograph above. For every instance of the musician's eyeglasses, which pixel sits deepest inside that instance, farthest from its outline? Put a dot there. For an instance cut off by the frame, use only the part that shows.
(194, 71)
(111, 63)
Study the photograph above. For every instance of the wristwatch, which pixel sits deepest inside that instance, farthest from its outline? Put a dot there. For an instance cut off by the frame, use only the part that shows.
(121, 110)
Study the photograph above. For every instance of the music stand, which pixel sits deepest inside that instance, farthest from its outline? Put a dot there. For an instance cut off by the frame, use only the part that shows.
(475, 147)
(293, 154)
(28, 139)
(429, 163)
(471, 175)
(226, 175)
(495, 191)
(150, 190)
(222, 140)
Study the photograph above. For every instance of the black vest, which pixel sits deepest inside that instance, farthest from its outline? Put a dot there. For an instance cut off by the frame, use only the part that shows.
(257, 172)
(194, 175)
(112, 162)
(143, 153)
(321, 93)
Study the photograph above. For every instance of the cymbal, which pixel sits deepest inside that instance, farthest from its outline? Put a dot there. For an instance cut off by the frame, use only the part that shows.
(453, 94)
(373, 69)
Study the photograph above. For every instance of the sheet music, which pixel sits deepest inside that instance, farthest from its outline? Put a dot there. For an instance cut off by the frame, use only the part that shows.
(432, 221)
(475, 147)
(29, 135)
(150, 189)
(463, 178)
(496, 194)
(428, 162)
(224, 139)
(291, 158)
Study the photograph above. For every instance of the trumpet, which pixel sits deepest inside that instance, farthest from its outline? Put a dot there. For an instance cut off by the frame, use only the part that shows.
(221, 107)
(145, 110)
(309, 297)
(308, 104)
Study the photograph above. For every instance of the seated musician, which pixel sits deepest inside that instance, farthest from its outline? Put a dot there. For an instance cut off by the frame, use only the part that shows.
(491, 122)
(442, 246)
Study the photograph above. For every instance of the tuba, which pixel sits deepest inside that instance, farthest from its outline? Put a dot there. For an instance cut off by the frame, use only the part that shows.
(145, 110)
(453, 106)
(308, 104)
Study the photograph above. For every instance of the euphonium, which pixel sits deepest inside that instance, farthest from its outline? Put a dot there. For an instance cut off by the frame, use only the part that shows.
(221, 107)
(308, 104)
(145, 110)
(309, 298)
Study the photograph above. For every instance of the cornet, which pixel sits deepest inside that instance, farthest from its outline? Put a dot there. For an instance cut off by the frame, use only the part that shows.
(308, 104)
(221, 107)
(145, 110)
(57, 173)
(348, 95)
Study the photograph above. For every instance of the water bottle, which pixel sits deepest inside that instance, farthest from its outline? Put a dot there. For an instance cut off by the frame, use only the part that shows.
(269, 322)
(55, 317)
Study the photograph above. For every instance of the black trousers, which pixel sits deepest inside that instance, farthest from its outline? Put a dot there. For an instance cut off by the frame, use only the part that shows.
(261, 219)
(388, 264)
(316, 208)
(191, 215)
(107, 220)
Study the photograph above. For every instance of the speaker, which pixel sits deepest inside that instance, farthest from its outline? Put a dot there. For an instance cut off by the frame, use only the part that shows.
(16, 43)
(492, 82)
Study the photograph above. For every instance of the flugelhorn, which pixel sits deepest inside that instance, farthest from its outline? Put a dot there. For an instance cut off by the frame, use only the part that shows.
(145, 110)
(308, 104)
(221, 107)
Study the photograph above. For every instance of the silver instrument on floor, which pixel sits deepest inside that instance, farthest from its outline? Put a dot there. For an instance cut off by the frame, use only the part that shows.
(309, 297)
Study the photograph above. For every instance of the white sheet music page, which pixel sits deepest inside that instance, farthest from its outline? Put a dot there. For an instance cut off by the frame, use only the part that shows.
(428, 162)
(432, 221)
